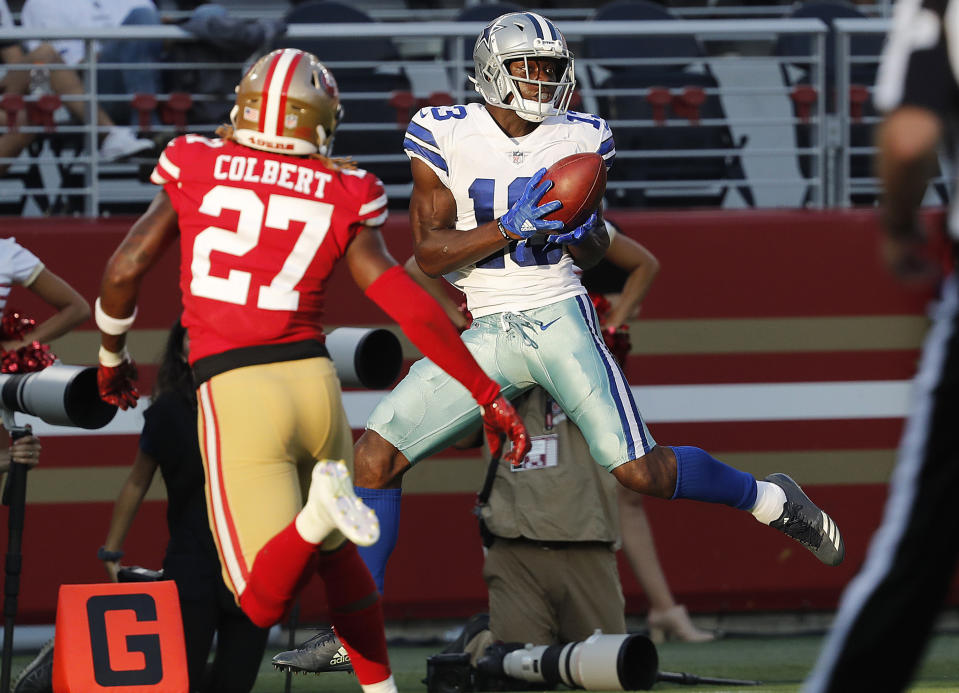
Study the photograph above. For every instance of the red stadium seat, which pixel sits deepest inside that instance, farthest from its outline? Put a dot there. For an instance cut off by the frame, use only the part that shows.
(688, 102)
(12, 104)
(804, 97)
(174, 110)
(144, 105)
(42, 109)
(659, 98)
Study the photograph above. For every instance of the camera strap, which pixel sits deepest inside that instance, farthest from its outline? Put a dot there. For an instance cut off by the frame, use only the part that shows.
(482, 498)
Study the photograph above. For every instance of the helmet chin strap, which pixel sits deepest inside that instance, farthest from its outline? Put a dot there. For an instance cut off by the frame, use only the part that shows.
(322, 146)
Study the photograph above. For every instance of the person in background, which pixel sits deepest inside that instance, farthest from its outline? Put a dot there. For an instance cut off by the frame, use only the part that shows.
(887, 612)
(169, 442)
(99, 14)
(666, 619)
(20, 267)
(551, 572)
(22, 349)
(116, 142)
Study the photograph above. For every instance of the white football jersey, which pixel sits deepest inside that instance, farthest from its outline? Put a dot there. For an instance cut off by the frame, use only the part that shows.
(487, 171)
(17, 266)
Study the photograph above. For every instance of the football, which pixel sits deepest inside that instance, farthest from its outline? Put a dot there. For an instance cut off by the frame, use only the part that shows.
(579, 182)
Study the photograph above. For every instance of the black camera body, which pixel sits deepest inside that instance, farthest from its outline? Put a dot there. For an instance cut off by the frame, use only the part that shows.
(453, 673)
(450, 673)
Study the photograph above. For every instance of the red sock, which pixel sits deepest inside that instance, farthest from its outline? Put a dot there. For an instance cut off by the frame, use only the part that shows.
(356, 612)
(279, 570)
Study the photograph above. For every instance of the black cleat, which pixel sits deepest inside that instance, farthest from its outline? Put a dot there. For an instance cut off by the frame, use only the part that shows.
(37, 676)
(322, 653)
(806, 523)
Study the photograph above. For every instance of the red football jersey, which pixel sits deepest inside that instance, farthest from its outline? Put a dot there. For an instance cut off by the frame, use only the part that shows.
(259, 235)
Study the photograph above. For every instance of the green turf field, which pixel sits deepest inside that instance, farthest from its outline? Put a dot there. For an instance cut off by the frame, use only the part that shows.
(779, 662)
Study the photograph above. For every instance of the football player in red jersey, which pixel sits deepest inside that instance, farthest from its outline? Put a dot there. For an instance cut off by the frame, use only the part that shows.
(263, 214)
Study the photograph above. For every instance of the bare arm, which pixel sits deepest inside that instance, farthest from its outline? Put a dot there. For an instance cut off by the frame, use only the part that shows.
(907, 140)
(435, 288)
(128, 502)
(138, 252)
(439, 248)
(72, 309)
(642, 266)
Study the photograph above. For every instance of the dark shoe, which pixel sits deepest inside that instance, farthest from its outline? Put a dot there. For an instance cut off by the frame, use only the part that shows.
(474, 624)
(37, 676)
(806, 523)
(321, 653)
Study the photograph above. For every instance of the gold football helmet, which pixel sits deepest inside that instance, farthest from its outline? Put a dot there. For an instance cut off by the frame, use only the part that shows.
(287, 102)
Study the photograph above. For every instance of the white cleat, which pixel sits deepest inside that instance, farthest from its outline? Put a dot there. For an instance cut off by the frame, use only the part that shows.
(332, 498)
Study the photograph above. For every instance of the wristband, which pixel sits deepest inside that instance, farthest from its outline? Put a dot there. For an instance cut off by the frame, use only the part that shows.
(104, 555)
(112, 359)
(502, 230)
(110, 325)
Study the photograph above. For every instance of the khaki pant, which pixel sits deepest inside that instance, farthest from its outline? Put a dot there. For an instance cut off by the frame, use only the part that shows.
(547, 596)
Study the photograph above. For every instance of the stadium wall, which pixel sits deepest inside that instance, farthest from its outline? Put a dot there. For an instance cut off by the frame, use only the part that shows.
(772, 338)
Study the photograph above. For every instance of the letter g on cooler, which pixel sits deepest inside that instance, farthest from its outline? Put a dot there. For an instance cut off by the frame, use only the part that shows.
(119, 637)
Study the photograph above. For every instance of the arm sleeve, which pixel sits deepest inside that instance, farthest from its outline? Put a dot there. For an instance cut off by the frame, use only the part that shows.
(427, 326)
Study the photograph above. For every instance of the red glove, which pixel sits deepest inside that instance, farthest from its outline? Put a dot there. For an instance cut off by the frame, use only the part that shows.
(618, 342)
(499, 418)
(117, 384)
(464, 311)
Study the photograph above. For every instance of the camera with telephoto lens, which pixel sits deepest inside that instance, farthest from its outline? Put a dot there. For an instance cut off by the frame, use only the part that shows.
(365, 357)
(59, 394)
(599, 663)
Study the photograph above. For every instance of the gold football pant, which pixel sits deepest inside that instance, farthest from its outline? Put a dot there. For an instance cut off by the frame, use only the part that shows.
(262, 428)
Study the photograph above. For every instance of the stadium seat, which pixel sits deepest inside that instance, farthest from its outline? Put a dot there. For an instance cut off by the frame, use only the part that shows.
(379, 85)
(692, 99)
(673, 98)
(680, 48)
(798, 71)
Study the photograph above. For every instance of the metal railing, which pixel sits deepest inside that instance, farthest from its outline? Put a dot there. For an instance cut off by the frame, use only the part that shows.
(105, 185)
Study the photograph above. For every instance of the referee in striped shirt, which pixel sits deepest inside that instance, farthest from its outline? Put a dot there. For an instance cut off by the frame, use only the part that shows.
(887, 611)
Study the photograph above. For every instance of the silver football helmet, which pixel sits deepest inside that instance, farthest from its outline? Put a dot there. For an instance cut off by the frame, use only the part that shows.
(523, 36)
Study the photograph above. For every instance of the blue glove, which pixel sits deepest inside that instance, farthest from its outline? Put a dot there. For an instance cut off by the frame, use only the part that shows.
(525, 218)
(576, 236)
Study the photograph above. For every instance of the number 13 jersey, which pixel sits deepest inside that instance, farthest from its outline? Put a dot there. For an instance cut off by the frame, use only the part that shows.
(260, 234)
(487, 170)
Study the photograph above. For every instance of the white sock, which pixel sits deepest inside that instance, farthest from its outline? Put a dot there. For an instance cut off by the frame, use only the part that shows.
(770, 500)
(387, 686)
(313, 528)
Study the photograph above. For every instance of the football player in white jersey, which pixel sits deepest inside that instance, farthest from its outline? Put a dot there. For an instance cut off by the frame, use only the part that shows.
(476, 219)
